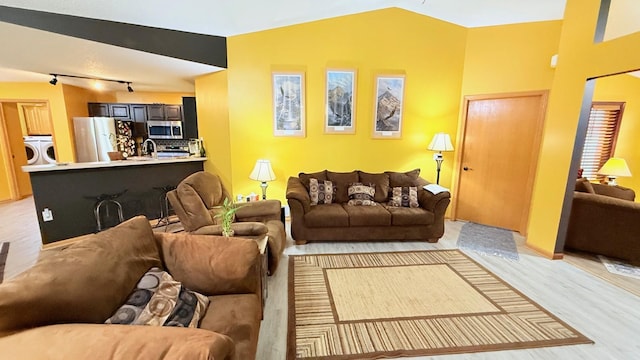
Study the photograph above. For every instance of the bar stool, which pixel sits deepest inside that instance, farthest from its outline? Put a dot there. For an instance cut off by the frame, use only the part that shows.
(106, 202)
(164, 205)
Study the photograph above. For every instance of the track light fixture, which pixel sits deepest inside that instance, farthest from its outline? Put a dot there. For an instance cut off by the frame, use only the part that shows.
(54, 81)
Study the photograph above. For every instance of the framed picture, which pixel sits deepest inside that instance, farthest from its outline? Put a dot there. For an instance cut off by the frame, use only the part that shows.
(388, 106)
(288, 104)
(339, 102)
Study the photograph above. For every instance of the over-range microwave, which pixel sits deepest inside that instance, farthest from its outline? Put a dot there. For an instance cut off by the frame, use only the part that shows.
(164, 129)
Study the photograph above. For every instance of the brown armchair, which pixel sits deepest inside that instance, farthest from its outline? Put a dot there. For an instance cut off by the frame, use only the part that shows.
(195, 200)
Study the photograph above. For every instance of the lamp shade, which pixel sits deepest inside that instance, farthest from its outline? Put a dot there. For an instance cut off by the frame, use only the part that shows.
(615, 167)
(441, 142)
(262, 171)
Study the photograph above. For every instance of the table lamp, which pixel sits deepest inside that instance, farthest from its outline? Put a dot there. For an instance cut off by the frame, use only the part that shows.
(441, 142)
(263, 172)
(613, 168)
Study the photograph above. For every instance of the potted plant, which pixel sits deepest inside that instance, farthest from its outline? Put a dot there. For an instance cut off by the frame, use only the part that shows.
(226, 211)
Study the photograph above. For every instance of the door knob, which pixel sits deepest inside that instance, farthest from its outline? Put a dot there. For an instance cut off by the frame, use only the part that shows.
(466, 168)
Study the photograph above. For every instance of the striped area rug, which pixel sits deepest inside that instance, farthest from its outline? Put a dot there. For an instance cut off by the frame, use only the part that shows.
(376, 305)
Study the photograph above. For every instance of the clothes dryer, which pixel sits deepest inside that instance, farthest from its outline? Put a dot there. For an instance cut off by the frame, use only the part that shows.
(32, 148)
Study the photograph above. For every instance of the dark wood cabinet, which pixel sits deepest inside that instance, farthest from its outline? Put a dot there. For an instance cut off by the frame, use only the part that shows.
(99, 109)
(119, 111)
(138, 112)
(155, 112)
(173, 112)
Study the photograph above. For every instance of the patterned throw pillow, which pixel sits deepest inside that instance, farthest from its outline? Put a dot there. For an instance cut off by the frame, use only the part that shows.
(321, 192)
(361, 194)
(159, 300)
(404, 196)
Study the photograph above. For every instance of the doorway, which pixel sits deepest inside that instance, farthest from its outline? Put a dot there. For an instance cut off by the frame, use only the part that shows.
(500, 145)
(17, 121)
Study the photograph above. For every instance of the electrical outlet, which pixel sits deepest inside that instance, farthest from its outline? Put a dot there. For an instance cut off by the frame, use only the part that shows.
(47, 215)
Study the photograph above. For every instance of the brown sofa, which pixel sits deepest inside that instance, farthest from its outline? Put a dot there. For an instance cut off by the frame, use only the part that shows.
(195, 200)
(604, 220)
(57, 309)
(341, 221)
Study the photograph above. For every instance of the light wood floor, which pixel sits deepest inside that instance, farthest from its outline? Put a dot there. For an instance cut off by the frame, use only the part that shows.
(603, 312)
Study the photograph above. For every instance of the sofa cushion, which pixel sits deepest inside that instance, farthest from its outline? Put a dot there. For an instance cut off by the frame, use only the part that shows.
(368, 216)
(381, 182)
(404, 196)
(402, 216)
(304, 178)
(619, 192)
(326, 215)
(86, 282)
(238, 317)
(321, 192)
(361, 194)
(161, 301)
(409, 178)
(584, 185)
(341, 181)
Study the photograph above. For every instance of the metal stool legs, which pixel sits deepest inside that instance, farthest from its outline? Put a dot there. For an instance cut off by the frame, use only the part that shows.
(105, 204)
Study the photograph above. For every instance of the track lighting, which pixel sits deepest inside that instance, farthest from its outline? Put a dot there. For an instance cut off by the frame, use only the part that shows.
(55, 80)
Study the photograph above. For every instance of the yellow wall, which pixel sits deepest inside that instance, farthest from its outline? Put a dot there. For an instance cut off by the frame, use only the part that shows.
(428, 51)
(579, 59)
(625, 88)
(510, 58)
(213, 124)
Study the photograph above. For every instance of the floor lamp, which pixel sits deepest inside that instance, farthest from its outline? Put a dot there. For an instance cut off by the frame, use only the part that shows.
(263, 172)
(441, 142)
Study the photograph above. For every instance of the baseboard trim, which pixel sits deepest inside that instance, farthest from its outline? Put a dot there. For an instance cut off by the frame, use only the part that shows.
(545, 253)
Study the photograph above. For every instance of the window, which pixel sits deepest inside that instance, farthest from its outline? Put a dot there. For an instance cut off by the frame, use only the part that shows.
(602, 133)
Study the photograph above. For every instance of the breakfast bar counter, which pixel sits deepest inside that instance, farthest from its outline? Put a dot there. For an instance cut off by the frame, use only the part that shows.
(66, 195)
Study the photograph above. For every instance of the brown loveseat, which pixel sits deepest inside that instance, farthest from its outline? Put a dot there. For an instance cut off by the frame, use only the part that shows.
(604, 220)
(57, 309)
(195, 201)
(340, 221)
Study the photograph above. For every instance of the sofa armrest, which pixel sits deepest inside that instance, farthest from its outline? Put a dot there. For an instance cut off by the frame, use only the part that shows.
(263, 211)
(250, 228)
(116, 342)
(434, 202)
(297, 193)
(211, 265)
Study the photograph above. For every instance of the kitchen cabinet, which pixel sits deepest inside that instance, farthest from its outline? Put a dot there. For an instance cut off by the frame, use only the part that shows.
(139, 116)
(119, 111)
(155, 112)
(173, 112)
(99, 109)
(190, 124)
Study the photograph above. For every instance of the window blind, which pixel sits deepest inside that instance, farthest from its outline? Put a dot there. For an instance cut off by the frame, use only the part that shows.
(602, 133)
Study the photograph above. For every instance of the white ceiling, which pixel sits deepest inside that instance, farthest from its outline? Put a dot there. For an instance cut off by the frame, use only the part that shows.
(30, 55)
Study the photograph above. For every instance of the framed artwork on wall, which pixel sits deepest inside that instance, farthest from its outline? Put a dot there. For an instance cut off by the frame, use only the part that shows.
(288, 104)
(388, 106)
(340, 102)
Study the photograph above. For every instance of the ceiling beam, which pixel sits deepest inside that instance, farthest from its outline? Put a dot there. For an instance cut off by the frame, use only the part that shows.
(200, 48)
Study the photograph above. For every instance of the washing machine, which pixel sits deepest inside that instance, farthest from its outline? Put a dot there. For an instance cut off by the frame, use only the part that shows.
(39, 150)
(47, 151)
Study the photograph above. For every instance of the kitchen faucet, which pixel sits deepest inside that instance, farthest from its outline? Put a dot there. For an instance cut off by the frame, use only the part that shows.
(154, 154)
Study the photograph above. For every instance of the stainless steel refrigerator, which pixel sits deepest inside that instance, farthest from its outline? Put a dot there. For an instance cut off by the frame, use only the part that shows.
(97, 136)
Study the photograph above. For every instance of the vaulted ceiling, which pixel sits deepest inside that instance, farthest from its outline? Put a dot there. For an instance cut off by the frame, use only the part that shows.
(31, 55)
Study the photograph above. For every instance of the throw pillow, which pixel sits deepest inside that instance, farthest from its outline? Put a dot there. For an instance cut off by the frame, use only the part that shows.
(160, 300)
(341, 181)
(321, 192)
(361, 194)
(381, 181)
(306, 178)
(404, 196)
(584, 185)
(409, 178)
